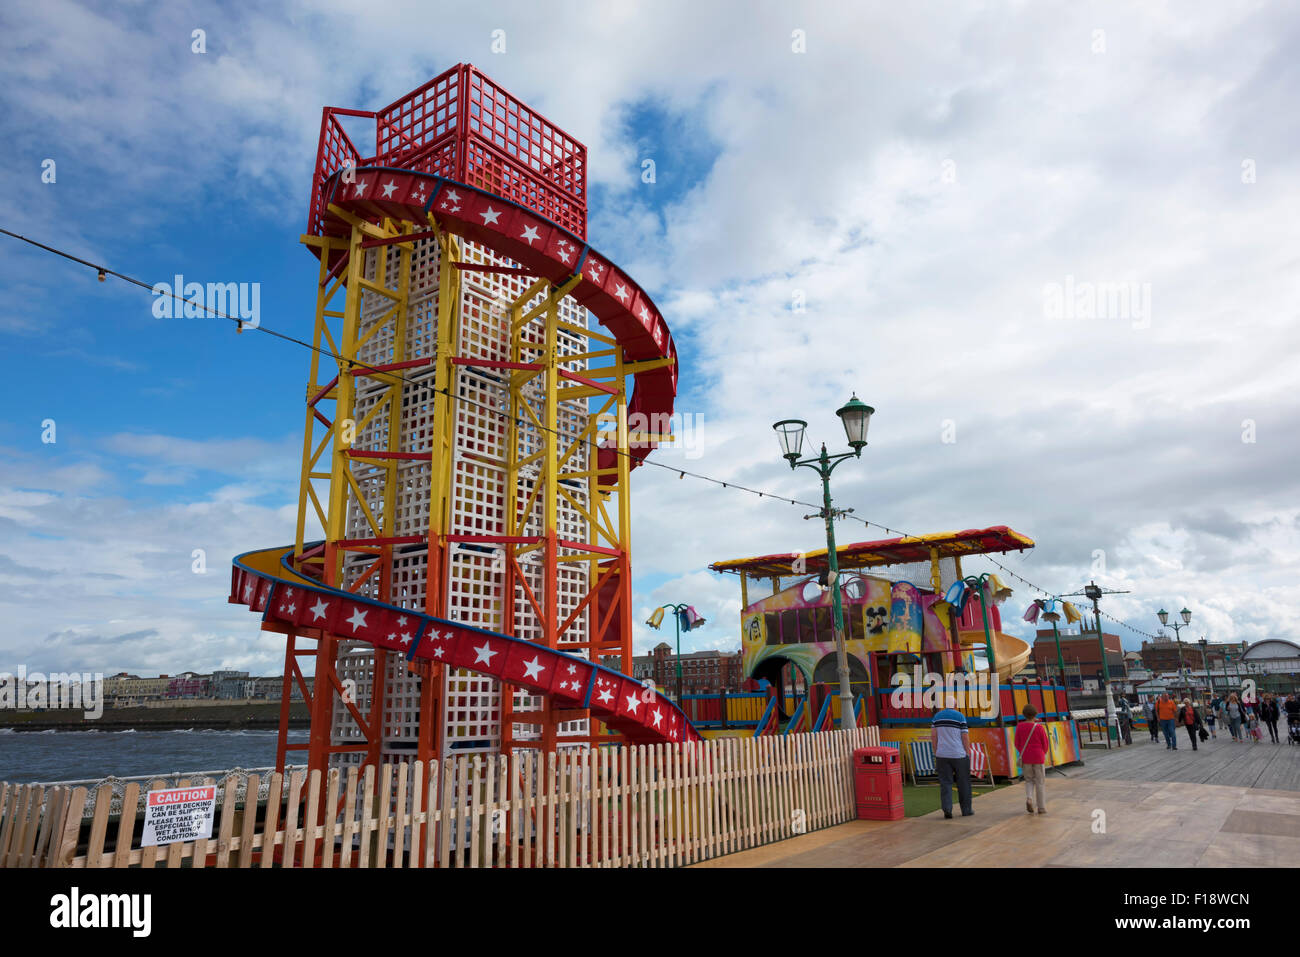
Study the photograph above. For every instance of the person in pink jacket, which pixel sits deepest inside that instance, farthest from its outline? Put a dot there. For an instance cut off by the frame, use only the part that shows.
(1031, 742)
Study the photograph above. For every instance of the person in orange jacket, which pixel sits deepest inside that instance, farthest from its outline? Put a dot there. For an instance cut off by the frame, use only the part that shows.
(1166, 711)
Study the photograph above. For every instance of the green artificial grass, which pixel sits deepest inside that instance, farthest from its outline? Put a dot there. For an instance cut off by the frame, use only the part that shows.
(922, 799)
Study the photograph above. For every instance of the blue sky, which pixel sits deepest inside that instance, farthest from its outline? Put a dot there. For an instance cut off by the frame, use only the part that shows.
(918, 176)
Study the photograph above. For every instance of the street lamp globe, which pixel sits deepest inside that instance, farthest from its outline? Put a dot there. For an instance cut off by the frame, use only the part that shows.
(790, 433)
(1187, 616)
(856, 416)
(1163, 616)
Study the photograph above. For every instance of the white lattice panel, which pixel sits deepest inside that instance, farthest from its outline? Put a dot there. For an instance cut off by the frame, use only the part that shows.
(401, 703)
(418, 411)
(355, 664)
(410, 569)
(475, 575)
(472, 712)
(477, 578)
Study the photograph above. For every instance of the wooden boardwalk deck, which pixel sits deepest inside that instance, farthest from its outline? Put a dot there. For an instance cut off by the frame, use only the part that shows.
(1273, 767)
(1224, 805)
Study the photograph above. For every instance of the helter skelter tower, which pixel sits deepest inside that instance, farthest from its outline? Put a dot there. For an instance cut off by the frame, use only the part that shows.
(468, 452)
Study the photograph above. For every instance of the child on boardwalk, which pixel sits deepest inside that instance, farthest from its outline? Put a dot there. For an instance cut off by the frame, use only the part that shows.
(1252, 722)
(1031, 741)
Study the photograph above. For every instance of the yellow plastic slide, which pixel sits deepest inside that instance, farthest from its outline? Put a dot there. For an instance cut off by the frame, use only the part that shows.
(1012, 654)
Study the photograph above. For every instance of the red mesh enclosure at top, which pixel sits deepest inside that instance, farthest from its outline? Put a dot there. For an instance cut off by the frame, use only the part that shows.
(462, 125)
(419, 131)
(333, 152)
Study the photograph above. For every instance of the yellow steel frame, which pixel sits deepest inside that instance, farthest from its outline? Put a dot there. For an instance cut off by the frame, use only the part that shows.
(339, 434)
(535, 324)
(535, 341)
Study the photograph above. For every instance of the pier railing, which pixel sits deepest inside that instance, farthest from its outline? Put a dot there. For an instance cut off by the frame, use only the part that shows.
(624, 806)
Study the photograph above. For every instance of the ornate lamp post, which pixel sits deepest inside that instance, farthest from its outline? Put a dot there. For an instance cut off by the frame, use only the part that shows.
(856, 416)
(1187, 618)
(1205, 663)
(1093, 592)
(658, 616)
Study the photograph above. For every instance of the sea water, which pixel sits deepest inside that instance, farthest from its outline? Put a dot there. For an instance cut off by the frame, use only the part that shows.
(29, 756)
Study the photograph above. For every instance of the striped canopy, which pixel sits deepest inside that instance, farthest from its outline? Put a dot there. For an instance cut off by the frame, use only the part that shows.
(887, 551)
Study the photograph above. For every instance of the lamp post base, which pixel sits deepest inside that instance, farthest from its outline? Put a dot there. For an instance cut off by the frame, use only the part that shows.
(847, 718)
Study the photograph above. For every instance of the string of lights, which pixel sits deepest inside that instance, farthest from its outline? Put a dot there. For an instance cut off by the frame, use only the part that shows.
(351, 365)
(358, 365)
(1054, 595)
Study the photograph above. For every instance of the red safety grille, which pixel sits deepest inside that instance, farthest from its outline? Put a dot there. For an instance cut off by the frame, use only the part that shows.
(463, 126)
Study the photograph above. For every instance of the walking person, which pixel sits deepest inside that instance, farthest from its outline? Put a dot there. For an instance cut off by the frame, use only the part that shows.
(1270, 712)
(1211, 714)
(1190, 720)
(1234, 713)
(950, 737)
(1149, 710)
(1032, 744)
(1125, 721)
(1167, 711)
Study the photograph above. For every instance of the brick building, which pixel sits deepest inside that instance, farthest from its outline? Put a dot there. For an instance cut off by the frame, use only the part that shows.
(1081, 655)
(703, 672)
(1162, 655)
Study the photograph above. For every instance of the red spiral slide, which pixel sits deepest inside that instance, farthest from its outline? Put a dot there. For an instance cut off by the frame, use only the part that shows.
(264, 581)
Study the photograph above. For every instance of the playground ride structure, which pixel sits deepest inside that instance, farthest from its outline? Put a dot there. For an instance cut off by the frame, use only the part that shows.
(892, 625)
(466, 447)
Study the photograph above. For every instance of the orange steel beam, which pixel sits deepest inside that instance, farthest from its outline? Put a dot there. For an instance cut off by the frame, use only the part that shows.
(286, 697)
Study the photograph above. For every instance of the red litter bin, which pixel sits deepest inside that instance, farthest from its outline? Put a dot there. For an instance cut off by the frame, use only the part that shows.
(878, 784)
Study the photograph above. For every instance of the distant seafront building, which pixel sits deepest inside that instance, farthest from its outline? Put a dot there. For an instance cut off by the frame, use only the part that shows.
(1162, 654)
(1272, 656)
(1081, 655)
(231, 685)
(188, 684)
(125, 690)
(703, 672)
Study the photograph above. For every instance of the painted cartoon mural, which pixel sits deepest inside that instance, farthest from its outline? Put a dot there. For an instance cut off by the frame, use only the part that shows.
(797, 625)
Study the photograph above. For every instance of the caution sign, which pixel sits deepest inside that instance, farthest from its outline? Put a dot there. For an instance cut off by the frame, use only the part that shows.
(179, 814)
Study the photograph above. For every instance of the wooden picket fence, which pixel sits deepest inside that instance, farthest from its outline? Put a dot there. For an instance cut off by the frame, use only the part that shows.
(626, 806)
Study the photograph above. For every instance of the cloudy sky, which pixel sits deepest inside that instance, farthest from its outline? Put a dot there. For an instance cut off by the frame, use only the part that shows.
(935, 205)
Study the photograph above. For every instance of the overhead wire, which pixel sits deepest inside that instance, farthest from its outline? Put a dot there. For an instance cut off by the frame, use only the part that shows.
(353, 365)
